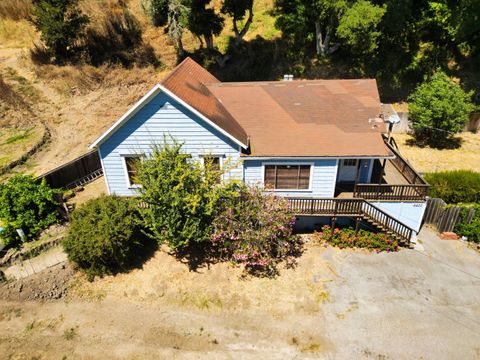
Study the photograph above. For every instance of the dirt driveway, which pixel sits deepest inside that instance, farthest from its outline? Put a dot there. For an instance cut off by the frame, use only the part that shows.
(415, 304)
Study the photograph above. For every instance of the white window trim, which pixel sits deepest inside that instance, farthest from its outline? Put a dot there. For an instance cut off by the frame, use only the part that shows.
(310, 180)
(356, 162)
(221, 156)
(125, 170)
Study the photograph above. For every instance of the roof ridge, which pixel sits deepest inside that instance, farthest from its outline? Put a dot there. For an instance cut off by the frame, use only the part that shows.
(183, 63)
(281, 81)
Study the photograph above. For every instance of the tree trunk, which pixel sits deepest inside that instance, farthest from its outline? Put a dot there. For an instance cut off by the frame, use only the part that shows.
(323, 44)
(209, 41)
(180, 49)
(201, 41)
(222, 60)
(239, 35)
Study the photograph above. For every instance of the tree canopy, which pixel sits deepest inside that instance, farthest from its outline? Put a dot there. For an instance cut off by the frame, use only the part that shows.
(61, 23)
(439, 108)
(328, 23)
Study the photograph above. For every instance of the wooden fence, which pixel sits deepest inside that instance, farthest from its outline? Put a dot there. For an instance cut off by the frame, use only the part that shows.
(444, 218)
(80, 171)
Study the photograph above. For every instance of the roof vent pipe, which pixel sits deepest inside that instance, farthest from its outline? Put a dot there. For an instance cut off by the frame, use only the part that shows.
(287, 77)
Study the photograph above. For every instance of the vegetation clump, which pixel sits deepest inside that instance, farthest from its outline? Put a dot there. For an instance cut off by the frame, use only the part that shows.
(188, 208)
(105, 235)
(26, 204)
(471, 230)
(347, 238)
(181, 196)
(61, 25)
(438, 109)
(256, 230)
(456, 186)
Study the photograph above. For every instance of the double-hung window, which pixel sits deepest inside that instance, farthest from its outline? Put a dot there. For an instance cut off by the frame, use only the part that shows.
(131, 167)
(287, 177)
(214, 163)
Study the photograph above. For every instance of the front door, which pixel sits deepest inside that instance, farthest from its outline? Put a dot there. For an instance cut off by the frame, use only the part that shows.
(347, 170)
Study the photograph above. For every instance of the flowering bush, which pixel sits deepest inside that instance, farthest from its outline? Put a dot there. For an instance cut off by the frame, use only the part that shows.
(255, 230)
(346, 238)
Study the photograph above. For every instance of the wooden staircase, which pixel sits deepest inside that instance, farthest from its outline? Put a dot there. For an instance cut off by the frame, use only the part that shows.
(358, 208)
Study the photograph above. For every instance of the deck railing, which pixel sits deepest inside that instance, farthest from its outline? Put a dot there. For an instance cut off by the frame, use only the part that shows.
(350, 207)
(415, 190)
(406, 192)
(404, 167)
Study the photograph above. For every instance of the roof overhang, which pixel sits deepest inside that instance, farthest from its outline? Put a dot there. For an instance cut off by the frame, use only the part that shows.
(246, 157)
(145, 100)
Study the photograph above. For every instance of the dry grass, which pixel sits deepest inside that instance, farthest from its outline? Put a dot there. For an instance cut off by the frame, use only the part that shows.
(15, 9)
(15, 34)
(467, 157)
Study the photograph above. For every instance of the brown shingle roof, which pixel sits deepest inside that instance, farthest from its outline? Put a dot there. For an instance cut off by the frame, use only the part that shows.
(187, 82)
(307, 118)
(287, 118)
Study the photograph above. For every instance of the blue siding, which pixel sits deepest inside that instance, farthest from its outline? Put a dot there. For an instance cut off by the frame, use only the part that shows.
(162, 116)
(323, 176)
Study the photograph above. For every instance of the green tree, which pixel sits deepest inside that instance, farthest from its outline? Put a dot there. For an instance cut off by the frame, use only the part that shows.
(439, 108)
(157, 11)
(238, 10)
(318, 21)
(204, 22)
(170, 13)
(28, 205)
(358, 26)
(61, 24)
(182, 196)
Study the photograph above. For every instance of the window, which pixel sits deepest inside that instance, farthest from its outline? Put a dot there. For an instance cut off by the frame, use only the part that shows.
(285, 177)
(131, 163)
(350, 162)
(215, 163)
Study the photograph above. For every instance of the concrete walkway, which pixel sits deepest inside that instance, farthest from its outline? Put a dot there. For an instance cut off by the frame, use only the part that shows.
(29, 267)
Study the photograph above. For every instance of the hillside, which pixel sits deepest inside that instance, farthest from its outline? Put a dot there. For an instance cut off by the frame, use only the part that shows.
(77, 103)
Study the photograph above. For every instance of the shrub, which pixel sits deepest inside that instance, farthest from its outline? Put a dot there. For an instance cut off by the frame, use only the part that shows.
(256, 230)
(471, 230)
(27, 204)
(455, 186)
(105, 235)
(439, 108)
(182, 196)
(61, 25)
(346, 238)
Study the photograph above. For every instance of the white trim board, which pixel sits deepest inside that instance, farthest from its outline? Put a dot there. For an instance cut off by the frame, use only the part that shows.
(146, 99)
(125, 169)
(311, 158)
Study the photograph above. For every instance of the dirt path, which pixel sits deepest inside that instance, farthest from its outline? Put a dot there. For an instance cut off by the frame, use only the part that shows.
(76, 103)
(336, 304)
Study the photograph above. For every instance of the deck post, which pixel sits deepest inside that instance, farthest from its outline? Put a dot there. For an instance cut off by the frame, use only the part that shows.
(357, 225)
(357, 173)
(333, 225)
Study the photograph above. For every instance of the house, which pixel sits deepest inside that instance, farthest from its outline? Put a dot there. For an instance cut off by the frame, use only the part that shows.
(321, 143)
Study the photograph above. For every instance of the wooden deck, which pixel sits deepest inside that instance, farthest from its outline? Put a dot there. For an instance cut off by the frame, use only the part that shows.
(356, 208)
(392, 179)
